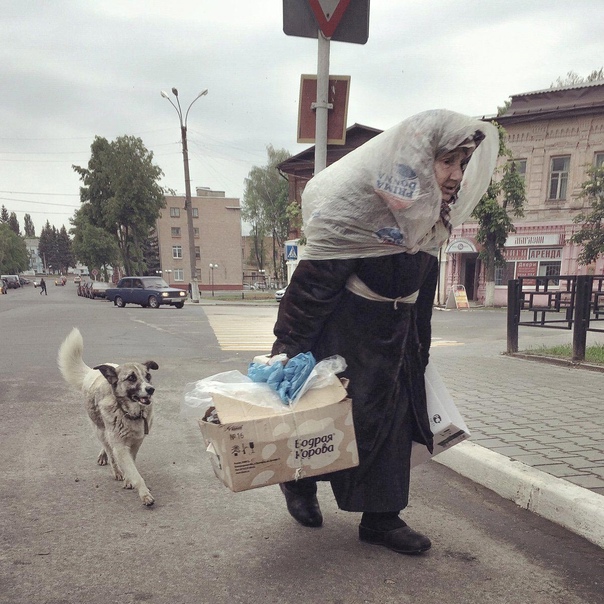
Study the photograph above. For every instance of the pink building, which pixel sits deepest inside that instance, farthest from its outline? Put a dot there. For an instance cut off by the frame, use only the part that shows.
(554, 135)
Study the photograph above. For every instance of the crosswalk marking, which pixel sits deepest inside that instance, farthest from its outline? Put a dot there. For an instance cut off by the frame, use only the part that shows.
(441, 342)
(255, 332)
(243, 333)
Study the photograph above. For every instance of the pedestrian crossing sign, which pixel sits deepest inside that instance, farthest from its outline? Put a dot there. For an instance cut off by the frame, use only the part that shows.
(291, 251)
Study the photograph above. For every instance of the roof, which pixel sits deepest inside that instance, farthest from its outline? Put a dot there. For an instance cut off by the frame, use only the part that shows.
(566, 101)
(356, 135)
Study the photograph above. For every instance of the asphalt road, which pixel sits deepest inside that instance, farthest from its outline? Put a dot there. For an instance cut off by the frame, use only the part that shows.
(70, 534)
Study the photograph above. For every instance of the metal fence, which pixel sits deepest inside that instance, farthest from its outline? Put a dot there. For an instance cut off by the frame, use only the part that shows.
(571, 302)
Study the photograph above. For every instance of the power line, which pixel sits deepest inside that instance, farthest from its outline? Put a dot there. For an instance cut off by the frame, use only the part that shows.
(42, 203)
(36, 193)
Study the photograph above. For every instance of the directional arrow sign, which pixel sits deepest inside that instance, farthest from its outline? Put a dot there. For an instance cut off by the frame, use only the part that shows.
(328, 14)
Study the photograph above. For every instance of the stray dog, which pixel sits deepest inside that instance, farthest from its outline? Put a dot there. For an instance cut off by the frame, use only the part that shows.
(118, 401)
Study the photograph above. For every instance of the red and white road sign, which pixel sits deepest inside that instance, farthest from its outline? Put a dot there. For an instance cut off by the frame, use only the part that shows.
(328, 14)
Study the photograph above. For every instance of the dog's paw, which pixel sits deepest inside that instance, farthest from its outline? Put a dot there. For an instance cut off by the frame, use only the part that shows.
(147, 498)
(128, 485)
(102, 458)
(118, 474)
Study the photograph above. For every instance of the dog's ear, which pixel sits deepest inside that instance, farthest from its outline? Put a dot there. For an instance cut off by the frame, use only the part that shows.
(108, 372)
(151, 365)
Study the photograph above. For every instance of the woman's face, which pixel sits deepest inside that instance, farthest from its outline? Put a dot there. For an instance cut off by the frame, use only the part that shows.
(449, 171)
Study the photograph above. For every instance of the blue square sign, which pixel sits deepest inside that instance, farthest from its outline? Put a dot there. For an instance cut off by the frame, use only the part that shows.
(291, 251)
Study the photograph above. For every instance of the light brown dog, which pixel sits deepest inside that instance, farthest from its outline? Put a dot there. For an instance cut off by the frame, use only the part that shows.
(118, 401)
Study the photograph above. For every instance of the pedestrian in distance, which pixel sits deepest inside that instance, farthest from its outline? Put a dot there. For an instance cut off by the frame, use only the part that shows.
(43, 287)
(364, 289)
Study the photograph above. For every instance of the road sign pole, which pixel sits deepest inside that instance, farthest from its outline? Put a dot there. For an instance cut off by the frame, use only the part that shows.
(322, 106)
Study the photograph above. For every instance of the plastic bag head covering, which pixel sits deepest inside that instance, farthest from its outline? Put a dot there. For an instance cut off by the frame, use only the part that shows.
(383, 198)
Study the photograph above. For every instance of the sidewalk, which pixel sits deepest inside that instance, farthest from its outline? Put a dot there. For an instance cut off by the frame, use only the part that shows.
(537, 434)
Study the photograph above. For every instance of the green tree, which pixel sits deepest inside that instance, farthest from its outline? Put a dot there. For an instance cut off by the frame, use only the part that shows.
(574, 79)
(65, 251)
(13, 223)
(151, 254)
(48, 248)
(505, 195)
(591, 235)
(4, 214)
(13, 251)
(28, 226)
(92, 245)
(120, 185)
(265, 201)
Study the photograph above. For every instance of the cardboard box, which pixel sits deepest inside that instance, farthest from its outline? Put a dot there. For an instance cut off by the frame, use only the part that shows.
(446, 421)
(257, 446)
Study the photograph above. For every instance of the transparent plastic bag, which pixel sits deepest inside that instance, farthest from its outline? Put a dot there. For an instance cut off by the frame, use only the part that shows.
(198, 396)
(383, 197)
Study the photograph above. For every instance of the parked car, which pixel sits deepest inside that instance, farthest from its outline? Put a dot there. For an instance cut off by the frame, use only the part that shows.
(77, 280)
(146, 291)
(280, 293)
(84, 289)
(98, 289)
(12, 281)
(61, 281)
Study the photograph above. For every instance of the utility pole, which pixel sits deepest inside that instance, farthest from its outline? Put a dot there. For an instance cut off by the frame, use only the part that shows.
(188, 203)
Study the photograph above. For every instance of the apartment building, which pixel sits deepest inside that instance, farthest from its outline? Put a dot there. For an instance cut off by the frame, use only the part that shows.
(218, 242)
(554, 135)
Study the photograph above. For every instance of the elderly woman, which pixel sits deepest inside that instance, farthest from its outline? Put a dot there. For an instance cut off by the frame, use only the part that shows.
(374, 222)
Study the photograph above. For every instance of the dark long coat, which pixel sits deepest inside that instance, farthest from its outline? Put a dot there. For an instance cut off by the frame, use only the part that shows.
(386, 350)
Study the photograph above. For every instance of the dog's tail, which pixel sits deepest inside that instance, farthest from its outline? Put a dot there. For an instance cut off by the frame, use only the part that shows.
(70, 360)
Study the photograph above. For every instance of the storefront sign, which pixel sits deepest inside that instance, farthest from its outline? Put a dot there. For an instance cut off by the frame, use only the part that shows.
(528, 240)
(461, 297)
(520, 253)
(546, 253)
(526, 269)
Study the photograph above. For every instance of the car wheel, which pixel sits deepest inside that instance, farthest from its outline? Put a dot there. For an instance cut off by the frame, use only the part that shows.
(153, 302)
(179, 304)
(119, 302)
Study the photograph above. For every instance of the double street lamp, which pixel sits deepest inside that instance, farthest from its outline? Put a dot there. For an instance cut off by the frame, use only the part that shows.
(212, 267)
(188, 205)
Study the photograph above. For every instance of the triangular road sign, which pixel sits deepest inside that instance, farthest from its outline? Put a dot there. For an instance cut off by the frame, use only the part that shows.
(328, 14)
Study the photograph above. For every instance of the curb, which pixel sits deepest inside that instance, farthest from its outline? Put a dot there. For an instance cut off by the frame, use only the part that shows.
(573, 507)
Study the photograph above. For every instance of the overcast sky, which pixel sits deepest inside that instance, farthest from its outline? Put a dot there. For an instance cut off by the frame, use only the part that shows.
(73, 69)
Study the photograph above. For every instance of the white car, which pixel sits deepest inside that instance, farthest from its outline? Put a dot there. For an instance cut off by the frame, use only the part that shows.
(280, 293)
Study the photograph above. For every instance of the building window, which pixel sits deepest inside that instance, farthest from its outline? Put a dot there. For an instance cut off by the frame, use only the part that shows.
(599, 160)
(558, 179)
(198, 274)
(196, 232)
(195, 212)
(177, 251)
(175, 231)
(520, 165)
(174, 212)
(504, 273)
(179, 274)
(550, 269)
(197, 252)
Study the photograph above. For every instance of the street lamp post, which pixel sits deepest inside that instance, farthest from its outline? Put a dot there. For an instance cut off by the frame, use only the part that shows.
(212, 267)
(188, 205)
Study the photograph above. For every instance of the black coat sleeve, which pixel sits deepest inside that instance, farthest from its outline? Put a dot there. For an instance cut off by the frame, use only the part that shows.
(424, 304)
(311, 297)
